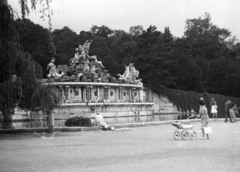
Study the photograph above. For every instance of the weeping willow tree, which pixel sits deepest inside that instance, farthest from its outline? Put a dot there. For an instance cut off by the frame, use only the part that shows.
(19, 75)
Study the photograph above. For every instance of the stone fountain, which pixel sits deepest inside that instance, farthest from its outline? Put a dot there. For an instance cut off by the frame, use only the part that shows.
(86, 85)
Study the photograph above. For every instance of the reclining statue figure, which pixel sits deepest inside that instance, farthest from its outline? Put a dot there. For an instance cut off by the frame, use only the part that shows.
(95, 59)
(53, 70)
(125, 76)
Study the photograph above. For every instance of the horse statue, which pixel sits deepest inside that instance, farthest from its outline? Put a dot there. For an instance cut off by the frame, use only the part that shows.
(133, 71)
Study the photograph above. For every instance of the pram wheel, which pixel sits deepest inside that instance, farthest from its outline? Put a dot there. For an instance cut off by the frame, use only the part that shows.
(176, 135)
(184, 135)
(193, 135)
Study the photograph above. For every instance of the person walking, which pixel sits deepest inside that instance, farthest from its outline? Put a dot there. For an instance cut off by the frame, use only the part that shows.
(203, 112)
(213, 105)
(226, 110)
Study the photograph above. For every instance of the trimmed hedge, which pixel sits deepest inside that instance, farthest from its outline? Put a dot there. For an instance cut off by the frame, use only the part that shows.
(188, 100)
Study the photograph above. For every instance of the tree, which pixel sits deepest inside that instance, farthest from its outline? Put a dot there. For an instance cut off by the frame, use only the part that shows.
(153, 58)
(19, 75)
(102, 31)
(65, 41)
(233, 48)
(136, 30)
(225, 77)
(205, 38)
(37, 41)
(188, 74)
(11, 61)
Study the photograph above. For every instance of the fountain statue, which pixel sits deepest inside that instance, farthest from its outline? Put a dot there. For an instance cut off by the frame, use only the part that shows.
(130, 75)
(52, 70)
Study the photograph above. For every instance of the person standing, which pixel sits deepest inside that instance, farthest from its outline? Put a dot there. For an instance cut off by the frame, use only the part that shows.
(232, 112)
(213, 105)
(226, 110)
(50, 121)
(203, 112)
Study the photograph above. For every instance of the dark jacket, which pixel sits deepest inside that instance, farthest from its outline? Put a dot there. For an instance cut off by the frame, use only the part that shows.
(201, 102)
(227, 106)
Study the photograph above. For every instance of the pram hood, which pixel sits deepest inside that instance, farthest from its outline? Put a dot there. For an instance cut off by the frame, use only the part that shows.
(177, 124)
(180, 125)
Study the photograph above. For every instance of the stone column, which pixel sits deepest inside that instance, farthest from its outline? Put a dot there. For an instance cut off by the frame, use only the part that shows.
(105, 96)
(116, 94)
(130, 95)
(141, 95)
(80, 94)
(69, 94)
(66, 94)
(88, 93)
(95, 97)
(121, 93)
(62, 94)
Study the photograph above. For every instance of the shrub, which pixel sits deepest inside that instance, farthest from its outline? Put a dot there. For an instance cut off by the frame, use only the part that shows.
(78, 121)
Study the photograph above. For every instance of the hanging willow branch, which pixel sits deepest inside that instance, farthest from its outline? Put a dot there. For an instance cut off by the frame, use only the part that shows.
(45, 97)
(45, 9)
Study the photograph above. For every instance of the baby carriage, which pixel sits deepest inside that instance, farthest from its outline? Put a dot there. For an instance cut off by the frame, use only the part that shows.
(184, 130)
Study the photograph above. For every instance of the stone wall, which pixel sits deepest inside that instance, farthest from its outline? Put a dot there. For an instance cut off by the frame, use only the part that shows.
(153, 108)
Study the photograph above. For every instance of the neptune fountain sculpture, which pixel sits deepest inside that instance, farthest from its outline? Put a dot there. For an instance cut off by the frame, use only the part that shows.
(85, 68)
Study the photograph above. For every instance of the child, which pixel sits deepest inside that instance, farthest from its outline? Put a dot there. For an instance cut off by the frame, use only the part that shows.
(213, 107)
(232, 112)
(214, 111)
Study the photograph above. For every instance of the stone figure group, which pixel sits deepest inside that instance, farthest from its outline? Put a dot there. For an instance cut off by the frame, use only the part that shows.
(84, 66)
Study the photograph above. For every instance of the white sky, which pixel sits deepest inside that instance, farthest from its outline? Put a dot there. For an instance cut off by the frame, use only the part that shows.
(80, 15)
